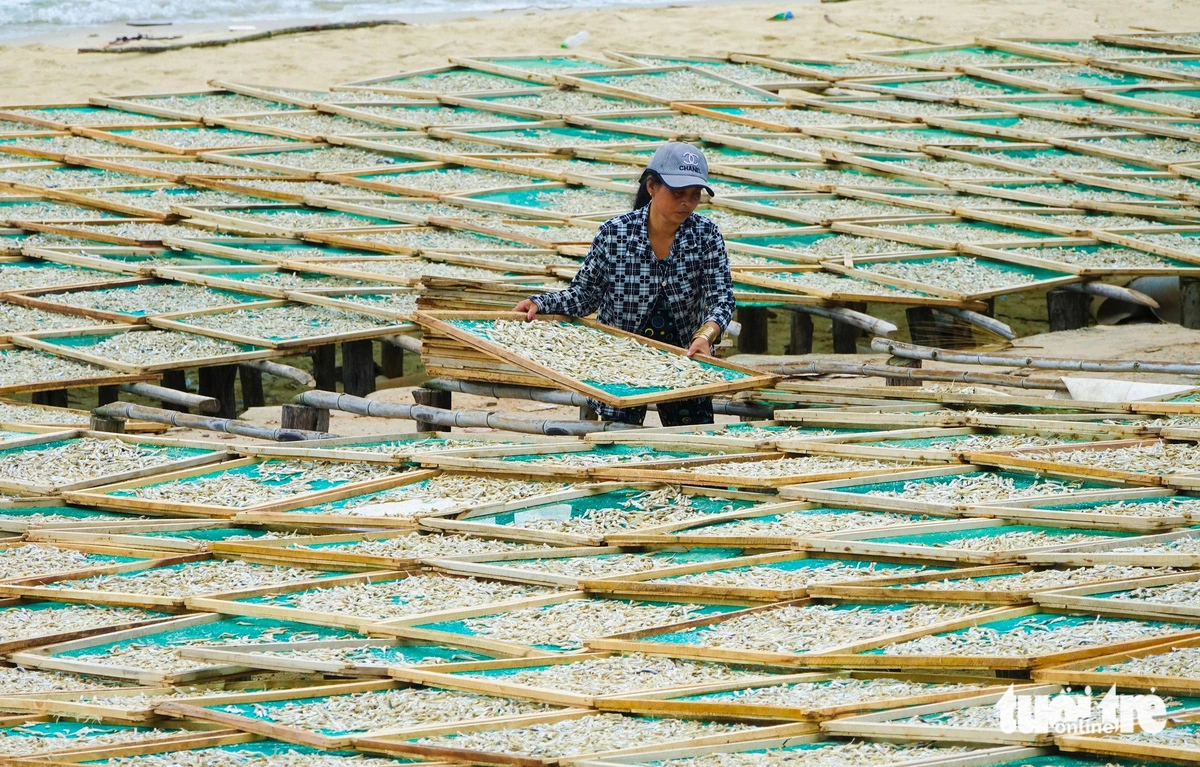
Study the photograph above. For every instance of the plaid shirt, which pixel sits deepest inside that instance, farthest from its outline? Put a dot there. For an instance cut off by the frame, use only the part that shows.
(621, 278)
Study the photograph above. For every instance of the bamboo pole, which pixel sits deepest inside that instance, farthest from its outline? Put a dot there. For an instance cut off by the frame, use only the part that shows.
(1114, 291)
(173, 396)
(279, 370)
(459, 418)
(128, 410)
(980, 320)
(892, 371)
(407, 343)
(911, 351)
(849, 317)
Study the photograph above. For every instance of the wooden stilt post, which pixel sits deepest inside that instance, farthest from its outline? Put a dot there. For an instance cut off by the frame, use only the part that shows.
(440, 399)
(1189, 302)
(845, 337)
(304, 418)
(103, 423)
(106, 395)
(218, 382)
(392, 359)
(902, 362)
(1067, 309)
(753, 339)
(52, 398)
(358, 368)
(252, 387)
(325, 367)
(800, 339)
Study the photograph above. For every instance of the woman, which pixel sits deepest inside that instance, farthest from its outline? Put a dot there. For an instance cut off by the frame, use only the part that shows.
(659, 271)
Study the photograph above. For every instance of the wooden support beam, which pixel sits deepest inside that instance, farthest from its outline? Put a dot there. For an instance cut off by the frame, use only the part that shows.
(252, 387)
(358, 368)
(754, 335)
(218, 382)
(52, 398)
(800, 335)
(325, 367)
(845, 336)
(1067, 309)
(431, 398)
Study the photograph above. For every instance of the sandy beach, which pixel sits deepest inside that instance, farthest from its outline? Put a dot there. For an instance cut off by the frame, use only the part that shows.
(52, 71)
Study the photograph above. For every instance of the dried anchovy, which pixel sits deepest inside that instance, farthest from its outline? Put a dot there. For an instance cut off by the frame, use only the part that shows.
(742, 222)
(958, 86)
(32, 559)
(647, 509)
(1177, 546)
(19, 277)
(1157, 458)
(1173, 594)
(407, 596)
(977, 488)
(1045, 161)
(1103, 257)
(1012, 541)
(145, 299)
(1178, 737)
(960, 232)
(436, 115)
(315, 124)
(837, 692)
(268, 481)
(47, 211)
(839, 208)
(1171, 240)
(834, 754)
(1042, 579)
(610, 360)
(290, 321)
(603, 566)
(359, 656)
(22, 681)
(1069, 76)
(587, 734)
(1098, 221)
(813, 628)
(214, 577)
(795, 525)
(391, 709)
(434, 239)
(904, 108)
(36, 414)
(306, 188)
(454, 180)
(567, 625)
(247, 757)
(154, 347)
(280, 279)
(453, 81)
(798, 118)
(302, 220)
(957, 169)
(1031, 638)
(625, 673)
(17, 742)
(91, 117)
(144, 232)
(788, 467)
(681, 85)
(581, 202)
(64, 177)
(400, 303)
(330, 159)
(964, 275)
(1178, 661)
(684, 124)
(194, 167)
(18, 623)
(767, 577)
(78, 460)
(77, 145)
(161, 200)
(994, 442)
(444, 491)
(418, 142)
(414, 268)
(836, 283)
(211, 105)
(195, 138)
(1169, 507)
(166, 658)
(589, 459)
(23, 366)
(23, 319)
(424, 545)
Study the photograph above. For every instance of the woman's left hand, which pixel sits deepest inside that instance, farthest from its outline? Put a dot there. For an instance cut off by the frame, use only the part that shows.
(699, 346)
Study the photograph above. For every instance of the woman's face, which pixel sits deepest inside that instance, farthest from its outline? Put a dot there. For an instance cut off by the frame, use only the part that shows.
(674, 204)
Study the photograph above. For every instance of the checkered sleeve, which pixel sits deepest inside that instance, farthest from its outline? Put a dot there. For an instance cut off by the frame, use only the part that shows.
(591, 282)
(716, 280)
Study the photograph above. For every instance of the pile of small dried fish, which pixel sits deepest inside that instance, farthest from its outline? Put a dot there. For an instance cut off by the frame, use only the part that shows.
(1032, 636)
(146, 299)
(1156, 458)
(625, 673)
(27, 740)
(288, 322)
(581, 202)
(828, 282)
(211, 105)
(1178, 661)
(25, 277)
(984, 487)
(191, 579)
(799, 524)
(830, 754)
(836, 692)
(77, 460)
(1184, 593)
(682, 85)
(569, 624)
(768, 577)
(817, 628)
(962, 275)
(610, 360)
(442, 492)
(33, 559)
(15, 318)
(1186, 736)
(17, 623)
(601, 566)
(407, 707)
(248, 757)
(589, 734)
(406, 596)
(1010, 541)
(798, 466)
(1176, 546)
(648, 509)
(262, 483)
(1040, 580)
(156, 347)
(411, 545)
(23, 681)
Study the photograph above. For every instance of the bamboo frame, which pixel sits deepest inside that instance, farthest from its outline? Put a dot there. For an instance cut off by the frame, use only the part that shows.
(1082, 598)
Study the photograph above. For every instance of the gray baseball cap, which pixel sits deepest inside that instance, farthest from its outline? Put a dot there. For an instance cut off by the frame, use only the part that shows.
(680, 165)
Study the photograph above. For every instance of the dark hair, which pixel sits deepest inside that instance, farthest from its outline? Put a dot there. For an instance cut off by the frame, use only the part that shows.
(642, 198)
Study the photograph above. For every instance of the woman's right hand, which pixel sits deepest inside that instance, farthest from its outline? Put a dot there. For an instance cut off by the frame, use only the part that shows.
(529, 308)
